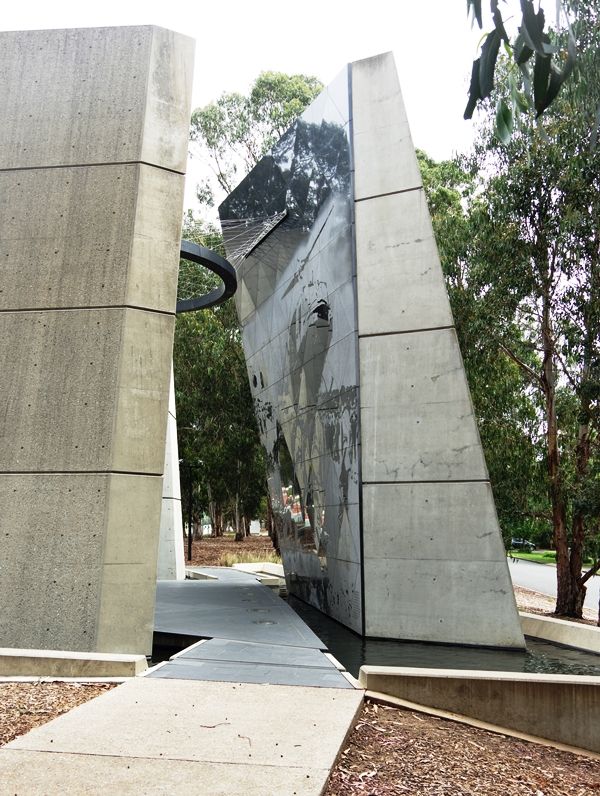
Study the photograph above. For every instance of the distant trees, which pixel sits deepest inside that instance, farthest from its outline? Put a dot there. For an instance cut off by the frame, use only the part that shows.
(217, 431)
(521, 251)
(224, 462)
(235, 131)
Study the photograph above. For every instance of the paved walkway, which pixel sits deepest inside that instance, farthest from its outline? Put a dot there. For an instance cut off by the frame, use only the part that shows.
(186, 737)
(255, 708)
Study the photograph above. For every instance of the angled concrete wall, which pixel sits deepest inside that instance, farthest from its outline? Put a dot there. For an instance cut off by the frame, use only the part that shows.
(433, 552)
(92, 153)
(378, 482)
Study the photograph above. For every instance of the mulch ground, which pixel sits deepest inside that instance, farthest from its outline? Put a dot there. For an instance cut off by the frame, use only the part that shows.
(207, 551)
(396, 751)
(24, 706)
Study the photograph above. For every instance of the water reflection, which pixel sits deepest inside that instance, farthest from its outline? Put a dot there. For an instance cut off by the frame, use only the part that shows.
(353, 651)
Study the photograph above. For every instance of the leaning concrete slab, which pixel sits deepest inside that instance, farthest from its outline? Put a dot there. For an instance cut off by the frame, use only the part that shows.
(92, 154)
(174, 731)
(171, 563)
(379, 487)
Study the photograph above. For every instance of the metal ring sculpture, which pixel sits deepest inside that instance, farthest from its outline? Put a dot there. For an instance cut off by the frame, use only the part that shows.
(215, 263)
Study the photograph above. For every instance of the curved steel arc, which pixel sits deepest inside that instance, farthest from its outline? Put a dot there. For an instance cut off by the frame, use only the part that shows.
(215, 263)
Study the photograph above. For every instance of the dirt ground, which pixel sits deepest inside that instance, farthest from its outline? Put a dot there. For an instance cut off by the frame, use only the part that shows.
(24, 706)
(207, 551)
(396, 751)
(535, 603)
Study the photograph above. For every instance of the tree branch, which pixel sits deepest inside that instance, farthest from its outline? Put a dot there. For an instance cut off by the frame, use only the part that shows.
(534, 377)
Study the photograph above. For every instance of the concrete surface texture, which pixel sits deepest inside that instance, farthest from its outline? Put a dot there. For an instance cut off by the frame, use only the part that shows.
(56, 663)
(92, 153)
(171, 563)
(434, 564)
(559, 631)
(158, 736)
(557, 707)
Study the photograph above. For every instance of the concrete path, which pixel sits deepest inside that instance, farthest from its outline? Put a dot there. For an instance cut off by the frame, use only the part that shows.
(542, 577)
(186, 737)
(249, 634)
(257, 707)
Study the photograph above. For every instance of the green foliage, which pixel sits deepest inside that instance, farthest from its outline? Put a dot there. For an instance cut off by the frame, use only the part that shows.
(508, 416)
(217, 431)
(542, 61)
(235, 131)
(533, 277)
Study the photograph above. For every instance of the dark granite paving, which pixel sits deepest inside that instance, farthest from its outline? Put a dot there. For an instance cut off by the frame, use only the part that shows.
(252, 636)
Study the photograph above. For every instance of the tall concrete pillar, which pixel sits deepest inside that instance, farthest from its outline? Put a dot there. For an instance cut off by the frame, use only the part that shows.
(92, 155)
(171, 563)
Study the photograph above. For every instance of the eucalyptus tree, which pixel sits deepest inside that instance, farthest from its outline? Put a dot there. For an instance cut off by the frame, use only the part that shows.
(538, 258)
(232, 133)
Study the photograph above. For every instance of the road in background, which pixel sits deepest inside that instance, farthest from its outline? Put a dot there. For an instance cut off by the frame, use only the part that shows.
(542, 577)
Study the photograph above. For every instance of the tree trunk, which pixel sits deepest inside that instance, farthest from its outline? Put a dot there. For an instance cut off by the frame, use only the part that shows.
(239, 529)
(566, 587)
(218, 521)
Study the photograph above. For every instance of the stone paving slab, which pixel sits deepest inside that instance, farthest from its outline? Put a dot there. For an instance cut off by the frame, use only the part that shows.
(299, 730)
(25, 773)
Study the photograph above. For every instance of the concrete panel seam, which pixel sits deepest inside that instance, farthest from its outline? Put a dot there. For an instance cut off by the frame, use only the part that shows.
(80, 472)
(405, 331)
(87, 307)
(91, 165)
(389, 193)
(441, 481)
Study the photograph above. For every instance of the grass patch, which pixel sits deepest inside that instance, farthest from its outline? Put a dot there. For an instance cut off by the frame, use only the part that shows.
(249, 557)
(539, 556)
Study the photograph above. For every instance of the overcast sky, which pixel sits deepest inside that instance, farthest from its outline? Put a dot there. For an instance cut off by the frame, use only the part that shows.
(432, 42)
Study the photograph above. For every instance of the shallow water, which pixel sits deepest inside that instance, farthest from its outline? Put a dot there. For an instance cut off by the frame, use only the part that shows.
(353, 651)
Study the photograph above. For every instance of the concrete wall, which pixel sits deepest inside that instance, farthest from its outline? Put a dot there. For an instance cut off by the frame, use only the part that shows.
(560, 631)
(171, 564)
(434, 562)
(92, 153)
(553, 706)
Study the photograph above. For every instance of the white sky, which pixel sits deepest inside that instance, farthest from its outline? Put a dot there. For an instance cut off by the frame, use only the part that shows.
(432, 42)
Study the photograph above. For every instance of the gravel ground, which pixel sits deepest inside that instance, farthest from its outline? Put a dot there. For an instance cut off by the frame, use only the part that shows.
(396, 751)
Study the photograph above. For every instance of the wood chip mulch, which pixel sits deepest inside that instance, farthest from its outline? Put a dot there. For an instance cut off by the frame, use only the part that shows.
(24, 706)
(397, 751)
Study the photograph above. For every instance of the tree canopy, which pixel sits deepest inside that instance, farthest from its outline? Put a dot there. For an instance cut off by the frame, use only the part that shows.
(234, 132)
(223, 460)
(523, 269)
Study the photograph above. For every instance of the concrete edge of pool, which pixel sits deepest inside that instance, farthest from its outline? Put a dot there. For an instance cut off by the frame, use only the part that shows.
(555, 707)
(561, 631)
